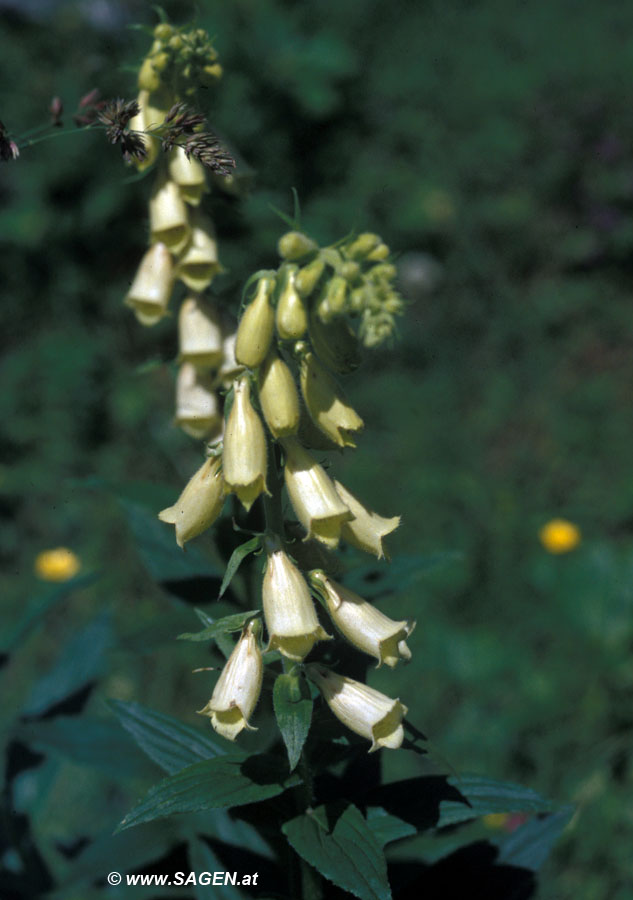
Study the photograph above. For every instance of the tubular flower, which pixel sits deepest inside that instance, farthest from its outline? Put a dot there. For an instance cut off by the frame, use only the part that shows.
(238, 688)
(244, 448)
(230, 368)
(199, 265)
(145, 118)
(366, 530)
(327, 407)
(152, 286)
(168, 219)
(200, 503)
(189, 175)
(291, 620)
(197, 408)
(360, 708)
(255, 331)
(314, 499)
(199, 334)
(362, 624)
(278, 396)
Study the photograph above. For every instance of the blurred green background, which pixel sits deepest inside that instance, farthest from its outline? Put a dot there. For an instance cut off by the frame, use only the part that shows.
(491, 144)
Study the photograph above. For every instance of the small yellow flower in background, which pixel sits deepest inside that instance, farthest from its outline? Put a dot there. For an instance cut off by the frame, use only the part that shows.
(495, 820)
(559, 536)
(59, 564)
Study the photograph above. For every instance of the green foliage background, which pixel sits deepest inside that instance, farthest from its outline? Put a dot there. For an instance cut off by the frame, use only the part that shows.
(491, 143)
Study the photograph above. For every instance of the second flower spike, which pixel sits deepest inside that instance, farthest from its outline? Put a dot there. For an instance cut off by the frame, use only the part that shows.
(244, 447)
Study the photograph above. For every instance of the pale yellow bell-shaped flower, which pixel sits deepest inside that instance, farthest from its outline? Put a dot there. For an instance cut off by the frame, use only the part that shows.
(238, 688)
(360, 708)
(198, 265)
(326, 404)
(152, 286)
(291, 619)
(200, 503)
(197, 407)
(366, 530)
(362, 624)
(278, 396)
(200, 338)
(291, 317)
(229, 368)
(148, 116)
(314, 499)
(244, 448)
(168, 217)
(189, 175)
(255, 330)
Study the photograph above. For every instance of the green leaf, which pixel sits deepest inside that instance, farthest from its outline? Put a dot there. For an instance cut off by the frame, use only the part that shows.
(530, 845)
(88, 741)
(293, 709)
(220, 626)
(223, 641)
(38, 608)
(203, 859)
(483, 796)
(387, 828)
(77, 665)
(168, 742)
(231, 780)
(238, 555)
(343, 848)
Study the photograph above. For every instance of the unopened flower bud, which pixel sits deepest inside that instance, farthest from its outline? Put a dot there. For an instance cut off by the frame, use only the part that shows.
(363, 245)
(335, 295)
(314, 499)
(244, 448)
(350, 270)
(188, 174)
(197, 407)
(308, 277)
(255, 330)
(366, 530)
(362, 624)
(326, 404)
(152, 286)
(291, 619)
(210, 74)
(360, 708)
(382, 272)
(168, 217)
(294, 245)
(200, 334)
(199, 264)
(238, 688)
(278, 396)
(379, 253)
(200, 503)
(291, 317)
(335, 344)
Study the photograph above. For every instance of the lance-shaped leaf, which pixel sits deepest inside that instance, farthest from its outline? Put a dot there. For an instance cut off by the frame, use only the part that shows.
(293, 709)
(230, 780)
(339, 843)
(220, 626)
(238, 555)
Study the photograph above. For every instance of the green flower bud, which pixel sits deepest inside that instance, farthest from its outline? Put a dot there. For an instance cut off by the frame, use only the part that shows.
(159, 62)
(152, 286)
(176, 43)
(294, 245)
(163, 31)
(197, 407)
(335, 295)
(360, 708)
(255, 330)
(307, 277)
(362, 624)
(200, 503)
(382, 272)
(326, 404)
(291, 620)
(379, 253)
(312, 495)
(278, 396)
(238, 688)
(335, 344)
(211, 74)
(244, 448)
(200, 339)
(291, 317)
(363, 245)
(350, 271)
